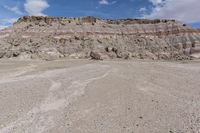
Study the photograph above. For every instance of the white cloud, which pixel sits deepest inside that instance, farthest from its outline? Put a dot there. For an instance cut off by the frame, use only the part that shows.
(3, 27)
(156, 2)
(14, 9)
(182, 10)
(143, 9)
(104, 2)
(7, 22)
(113, 2)
(36, 7)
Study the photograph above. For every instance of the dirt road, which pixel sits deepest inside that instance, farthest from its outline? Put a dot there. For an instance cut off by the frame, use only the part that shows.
(81, 96)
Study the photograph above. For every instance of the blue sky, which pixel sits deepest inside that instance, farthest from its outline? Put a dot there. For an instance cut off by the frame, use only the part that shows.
(185, 11)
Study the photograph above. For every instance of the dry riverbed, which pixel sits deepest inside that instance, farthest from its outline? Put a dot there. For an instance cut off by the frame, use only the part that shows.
(84, 96)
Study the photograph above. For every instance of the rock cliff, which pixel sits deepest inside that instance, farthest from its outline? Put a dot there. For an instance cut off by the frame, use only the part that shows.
(89, 37)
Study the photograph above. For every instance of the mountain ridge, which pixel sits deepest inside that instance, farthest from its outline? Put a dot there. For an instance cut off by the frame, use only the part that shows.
(57, 37)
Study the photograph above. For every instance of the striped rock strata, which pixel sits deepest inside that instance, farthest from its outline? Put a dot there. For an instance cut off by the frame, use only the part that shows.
(57, 37)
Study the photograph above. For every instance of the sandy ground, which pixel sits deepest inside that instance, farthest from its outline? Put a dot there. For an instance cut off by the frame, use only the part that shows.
(82, 96)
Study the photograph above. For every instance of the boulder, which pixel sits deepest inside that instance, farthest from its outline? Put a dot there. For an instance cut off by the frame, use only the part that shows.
(96, 55)
(2, 54)
(149, 55)
(109, 49)
(123, 54)
(49, 54)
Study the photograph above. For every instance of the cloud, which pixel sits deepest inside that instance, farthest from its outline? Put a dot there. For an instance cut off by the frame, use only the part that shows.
(113, 2)
(36, 7)
(106, 2)
(156, 2)
(182, 10)
(7, 22)
(14, 9)
(3, 27)
(143, 9)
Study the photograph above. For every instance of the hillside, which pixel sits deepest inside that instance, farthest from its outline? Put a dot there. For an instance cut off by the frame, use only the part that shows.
(51, 38)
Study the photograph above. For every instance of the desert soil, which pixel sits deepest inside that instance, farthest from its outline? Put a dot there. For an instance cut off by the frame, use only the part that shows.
(84, 96)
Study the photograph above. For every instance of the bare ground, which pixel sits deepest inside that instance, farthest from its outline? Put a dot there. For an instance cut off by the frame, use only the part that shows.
(81, 96)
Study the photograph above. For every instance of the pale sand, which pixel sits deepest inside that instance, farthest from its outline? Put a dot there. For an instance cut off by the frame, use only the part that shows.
(84, 96)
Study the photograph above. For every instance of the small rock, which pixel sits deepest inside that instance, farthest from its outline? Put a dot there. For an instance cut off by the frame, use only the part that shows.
(114, 49)
(76, 38)
(16, 53)
(127, 55)
(109, 49)
(119, 54)
(141, 117)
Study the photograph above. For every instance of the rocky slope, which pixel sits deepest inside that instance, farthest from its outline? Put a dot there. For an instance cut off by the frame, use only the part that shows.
(88, 37)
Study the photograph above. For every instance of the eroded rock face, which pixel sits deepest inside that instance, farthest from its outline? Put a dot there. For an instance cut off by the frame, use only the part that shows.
(58, 37)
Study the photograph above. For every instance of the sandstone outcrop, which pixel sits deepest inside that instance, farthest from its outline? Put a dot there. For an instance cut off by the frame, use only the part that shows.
(51, 38)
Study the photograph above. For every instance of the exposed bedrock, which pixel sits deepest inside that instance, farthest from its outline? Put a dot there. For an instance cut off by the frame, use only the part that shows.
(51, 38)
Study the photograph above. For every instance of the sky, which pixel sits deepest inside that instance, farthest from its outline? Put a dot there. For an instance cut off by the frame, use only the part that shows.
(186, 11)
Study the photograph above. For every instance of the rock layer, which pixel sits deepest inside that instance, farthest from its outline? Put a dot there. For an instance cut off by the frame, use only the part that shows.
(57, 37)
